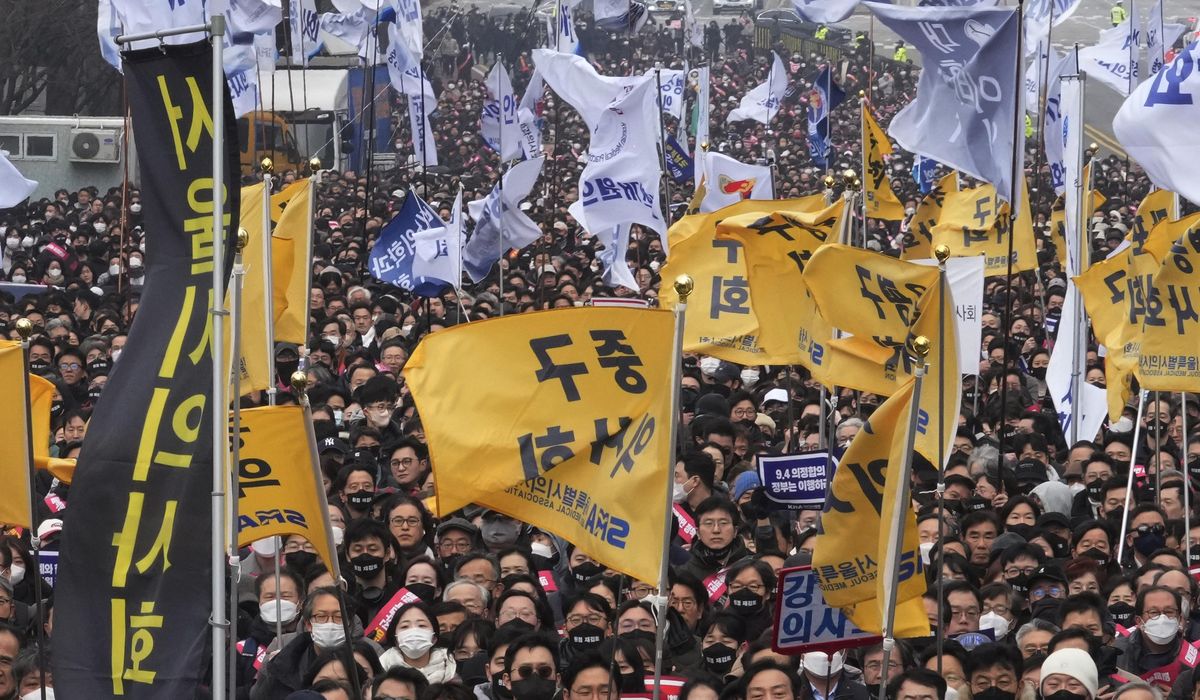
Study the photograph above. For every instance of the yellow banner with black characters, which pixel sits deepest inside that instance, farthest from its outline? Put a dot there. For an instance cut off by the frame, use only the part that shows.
(583, 450)
(856, 527)
(777, 246)
(1169, 357)
(975, 222)
(279, 489)
(918, 240)
(254, 347)
(130, 606)
(14, 449)
(721, 320)
(290, 244)
(877, 187)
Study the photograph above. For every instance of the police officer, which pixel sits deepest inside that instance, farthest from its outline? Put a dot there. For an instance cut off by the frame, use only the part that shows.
(1118, 14)
(901, 53)
(821, 33)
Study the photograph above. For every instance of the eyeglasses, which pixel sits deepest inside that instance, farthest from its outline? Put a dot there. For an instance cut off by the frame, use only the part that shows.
(455, 545)
(294, 546)
(406, 522)
(529, 670)
(640, 592)
(753, 587)
(744, 412)
(1046, 592)
(406, 462)
(998, 609)
(70, 365)
(592, 619)
(6, 601)
(391, 697)
(325, 617)
(1012, 571)
(721, 524)
(632, 625)
(685, 603)
(603, 691)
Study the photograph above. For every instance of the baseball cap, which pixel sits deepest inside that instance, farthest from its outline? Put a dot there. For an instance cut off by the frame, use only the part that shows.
(333, 444)
(460, 524)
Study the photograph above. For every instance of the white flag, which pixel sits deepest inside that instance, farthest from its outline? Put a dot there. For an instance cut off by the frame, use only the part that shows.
(965, 277)
(266, 52)
(306, 29)
(762, 103)
(673, 82)
(409, 23)
(144, 17)
(14, 187)
(616, 249)
(351, 28)
(1091, 407)
(729, 181)
(241, 74)
(1038, 15)
(1115, 59)
(248, 17)
(499, 118)
(108, 28)
(1156, 123)
(1160, 36)
(1071, 134)
(439, 250)
(528, 120)
(499, 222)
(562, 36)
(407, 78)
(577, 82)
(619, 184)
(1052, 126)
(702, 112)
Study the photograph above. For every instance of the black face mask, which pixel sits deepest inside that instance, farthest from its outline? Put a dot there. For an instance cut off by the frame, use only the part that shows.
(1122, 614)
(499, 690)
(94, 394)
(745, 603)
(366, 565)
(993, 693)
(1022, 529)
(1098, 554)
(586, 570)
(285, 368)
(975, 503)
(1046, 609)
(360, 500)
(56, 408)
(534, 688)
(517, 624)
(1020, 584)
(584, 637)
(635, 635)
(718, 658)
(472, 670)
(38, 365)
(300, 561)
(1095, 490)
(1149, 542)
(424, 591)
(1064, 695)
(632, 683)
(1038, 373)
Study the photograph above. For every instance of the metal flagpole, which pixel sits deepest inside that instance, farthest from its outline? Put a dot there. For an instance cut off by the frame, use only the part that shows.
(942, 253)
(25, 330)
(220, 403)
(1079, 349)
(1015, 178)
(902, 507)
(1157, 450)
(683, 288)
(268, 287)
(235, 349)
(1137, 429)
(1187, 482)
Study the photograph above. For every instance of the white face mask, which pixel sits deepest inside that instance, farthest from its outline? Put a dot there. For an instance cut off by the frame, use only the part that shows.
(100, 226)
(925, 548)
(16, 573)
(328, 635)
(541, 549)
(27, 242)
(116, 354)
(54, 274)
(278, 610)
(708, 365)
(135, 263)
(819, 664)
(749, 377)
(380, 419)
(339, 535)
(114, 270)
(679, 493)
(37, 694)
(1161, 629)
(136, 208)
(19, 279)
(335, 339)
(142, 246)
(994, 622)
(414, 642)
(13, 242)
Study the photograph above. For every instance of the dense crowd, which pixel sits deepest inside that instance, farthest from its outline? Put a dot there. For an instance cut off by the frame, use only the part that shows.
(1025, 551)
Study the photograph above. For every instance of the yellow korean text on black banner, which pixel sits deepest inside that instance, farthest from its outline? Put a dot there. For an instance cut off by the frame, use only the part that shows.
(131, 598)
(583, 450)
(279, 483)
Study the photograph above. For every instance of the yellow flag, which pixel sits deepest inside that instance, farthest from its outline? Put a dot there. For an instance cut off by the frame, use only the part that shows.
(1114, 292)
(857, 524)
(917, 244)
(583, 450)
(41, 396)
(693, 206)
(279, 480)
(14, 456)
(975, 222)
(290, 244)
(1169, 357)
(881, 200)
(1058, 223)
(721, 321)
(253, 362)
(776, 247)
(1156, 207)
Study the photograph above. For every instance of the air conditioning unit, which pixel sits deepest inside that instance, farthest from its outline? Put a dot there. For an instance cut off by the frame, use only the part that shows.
(96, 145)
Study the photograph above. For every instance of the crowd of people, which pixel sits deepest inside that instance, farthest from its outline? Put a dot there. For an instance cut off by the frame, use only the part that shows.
(1035, 587)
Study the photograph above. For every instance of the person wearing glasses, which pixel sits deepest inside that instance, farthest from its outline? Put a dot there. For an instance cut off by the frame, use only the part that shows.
(589, 677)
(324, 630)
(531, 667)
(410, 524)
(1146, 535)
(408, 463)
(587, 624)
(398, 683)
(716, 544)
(1153, 650)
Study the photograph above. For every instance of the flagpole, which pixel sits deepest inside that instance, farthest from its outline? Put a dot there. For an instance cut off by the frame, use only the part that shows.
(1187, 478)
(662, 152)
(901, 508)
(235, 458)
(25, 330)
(863, 107)
(314, 165)
(220, 403)
(683, 288)
(942, 253)
(1014, 178)
(1079, 350)
(268, 275)
(1137, 429)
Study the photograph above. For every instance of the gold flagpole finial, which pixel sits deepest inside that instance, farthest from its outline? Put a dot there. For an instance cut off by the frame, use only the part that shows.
(299, 381)
(829, 182)
(24, 328)
(314, 164)
(920, 346)
(243, 239)
(848, 177)
(683, 287)
(941, 252)
(268, 165)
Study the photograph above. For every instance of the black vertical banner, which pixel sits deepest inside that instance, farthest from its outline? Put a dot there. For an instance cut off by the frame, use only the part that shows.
(133, 589)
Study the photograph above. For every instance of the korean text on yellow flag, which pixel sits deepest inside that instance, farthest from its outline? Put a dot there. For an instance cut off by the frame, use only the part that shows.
(881, 200)
(776, 247)
(290, 244)
(14, 457)
(721, 321)
(918, 239)
(584, 448)
(279, 484)
(41, 397)
(875, 299)
(1170, 357)
(975, 222)
(1154, 208)
(859, 510)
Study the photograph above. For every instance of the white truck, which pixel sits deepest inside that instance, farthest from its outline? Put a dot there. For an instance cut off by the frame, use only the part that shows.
(69, 152)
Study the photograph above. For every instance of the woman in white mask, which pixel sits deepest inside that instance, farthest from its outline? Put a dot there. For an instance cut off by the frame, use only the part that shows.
(412, 636)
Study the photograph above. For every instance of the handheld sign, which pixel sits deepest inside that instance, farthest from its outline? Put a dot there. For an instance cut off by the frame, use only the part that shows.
(805, 622)
(796, 481)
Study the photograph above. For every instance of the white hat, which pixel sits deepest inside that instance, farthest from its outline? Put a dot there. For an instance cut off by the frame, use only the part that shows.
(1077, 664)
(775, 395)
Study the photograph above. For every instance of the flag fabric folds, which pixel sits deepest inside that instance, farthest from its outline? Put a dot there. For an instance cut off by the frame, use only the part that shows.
(391, 258)
(1160, 37)
(763, 101)
(587, 423)
(499, 124)
(254, 361)
(824, 97)
(18, 422)
(975, 222)
(279, 487)
(499, 222)
(14, 187)
(882, 202)
(439, 249)
(918, 243)
(728, 181)
(132, 567)
(291, 270)
(855, 530)
(824, 11)
(964, 114)
(1150, 122)
(1169, 359)
(1115, 60)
